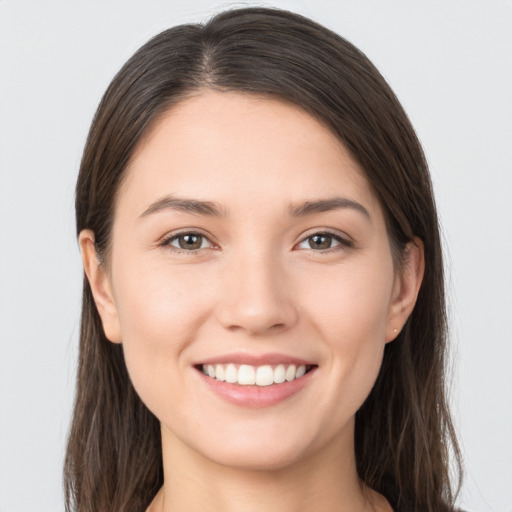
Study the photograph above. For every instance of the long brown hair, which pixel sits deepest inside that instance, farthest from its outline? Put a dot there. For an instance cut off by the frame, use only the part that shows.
(404, 433)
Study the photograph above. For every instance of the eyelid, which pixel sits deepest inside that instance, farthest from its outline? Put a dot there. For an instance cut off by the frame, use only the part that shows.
(165, 240)
(343, 239)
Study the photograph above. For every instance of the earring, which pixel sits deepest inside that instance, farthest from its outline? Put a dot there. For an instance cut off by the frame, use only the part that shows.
(395, 330)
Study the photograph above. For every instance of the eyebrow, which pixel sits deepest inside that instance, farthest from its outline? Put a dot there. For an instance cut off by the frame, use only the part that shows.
(212, 209)
(325, 205)
(185, 205)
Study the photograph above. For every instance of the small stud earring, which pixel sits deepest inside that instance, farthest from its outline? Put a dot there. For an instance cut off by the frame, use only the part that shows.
(395, 330)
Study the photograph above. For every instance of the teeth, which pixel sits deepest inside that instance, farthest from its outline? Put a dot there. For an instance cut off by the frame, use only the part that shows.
(264, 376)
(220, 374)
(301, 370)
(246, 375)
(291, 372)
(231, 374)
(280, 374)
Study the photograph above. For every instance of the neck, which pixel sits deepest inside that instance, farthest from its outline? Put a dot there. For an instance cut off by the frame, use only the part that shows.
(326, 481)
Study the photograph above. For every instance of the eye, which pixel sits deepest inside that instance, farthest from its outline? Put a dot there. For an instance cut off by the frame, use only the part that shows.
(323, 242)
(188, 242)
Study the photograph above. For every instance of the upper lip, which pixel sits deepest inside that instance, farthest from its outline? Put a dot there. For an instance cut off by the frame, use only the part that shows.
(255, 359)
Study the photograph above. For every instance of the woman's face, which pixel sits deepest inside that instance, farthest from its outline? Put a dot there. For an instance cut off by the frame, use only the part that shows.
(247, 242)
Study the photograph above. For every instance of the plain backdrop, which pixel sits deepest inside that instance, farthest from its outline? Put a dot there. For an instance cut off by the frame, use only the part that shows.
(450, 63)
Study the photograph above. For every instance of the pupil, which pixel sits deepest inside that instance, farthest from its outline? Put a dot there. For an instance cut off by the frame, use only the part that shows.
(190, 241)
(320, 241)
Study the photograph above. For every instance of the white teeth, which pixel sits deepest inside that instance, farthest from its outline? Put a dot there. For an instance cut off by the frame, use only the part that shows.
(220, 374)
(231, 374)
(280, 374)
(246, 375)
(264, 376)
(290, 373)
(301, 370)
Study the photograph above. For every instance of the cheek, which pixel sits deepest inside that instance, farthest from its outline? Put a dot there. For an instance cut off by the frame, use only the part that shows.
(351, 316)
(159, 314)
(352, 303)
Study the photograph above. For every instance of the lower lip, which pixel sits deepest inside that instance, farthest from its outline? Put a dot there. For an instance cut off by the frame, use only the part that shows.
(256, 397)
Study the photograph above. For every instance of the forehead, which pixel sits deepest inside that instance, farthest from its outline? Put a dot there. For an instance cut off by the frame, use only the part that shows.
(243, 150)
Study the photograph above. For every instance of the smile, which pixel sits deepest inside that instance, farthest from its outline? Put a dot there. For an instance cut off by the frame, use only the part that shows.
(247, 375)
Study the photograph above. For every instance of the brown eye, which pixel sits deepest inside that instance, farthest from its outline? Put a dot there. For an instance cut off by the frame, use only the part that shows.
(188, 242)
(324, 242)
(320, 241)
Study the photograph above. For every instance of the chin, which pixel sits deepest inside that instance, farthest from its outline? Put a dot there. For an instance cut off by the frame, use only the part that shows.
(252, 450)
(255, 458)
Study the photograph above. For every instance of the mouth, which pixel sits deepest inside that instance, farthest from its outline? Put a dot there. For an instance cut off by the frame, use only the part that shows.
(256, 381)
(262, 376)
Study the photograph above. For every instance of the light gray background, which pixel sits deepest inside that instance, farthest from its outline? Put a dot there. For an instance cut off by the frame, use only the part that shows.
(450, 63)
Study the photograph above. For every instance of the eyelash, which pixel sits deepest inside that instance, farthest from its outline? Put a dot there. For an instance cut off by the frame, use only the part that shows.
(166, 242)
(343, 243)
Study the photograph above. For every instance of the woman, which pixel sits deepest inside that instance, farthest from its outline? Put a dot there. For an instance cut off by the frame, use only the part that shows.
(263, 323)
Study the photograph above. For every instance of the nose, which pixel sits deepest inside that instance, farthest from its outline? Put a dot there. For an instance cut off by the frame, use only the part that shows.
(256, 297)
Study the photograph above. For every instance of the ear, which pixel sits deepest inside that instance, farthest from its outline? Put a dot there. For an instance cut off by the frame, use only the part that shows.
(101, 287)
(406, 289)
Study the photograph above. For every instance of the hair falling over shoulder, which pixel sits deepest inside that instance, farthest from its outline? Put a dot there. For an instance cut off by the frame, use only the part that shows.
(404, 435)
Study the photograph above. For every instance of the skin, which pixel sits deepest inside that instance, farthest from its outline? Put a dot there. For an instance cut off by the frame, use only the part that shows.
(256, 285)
